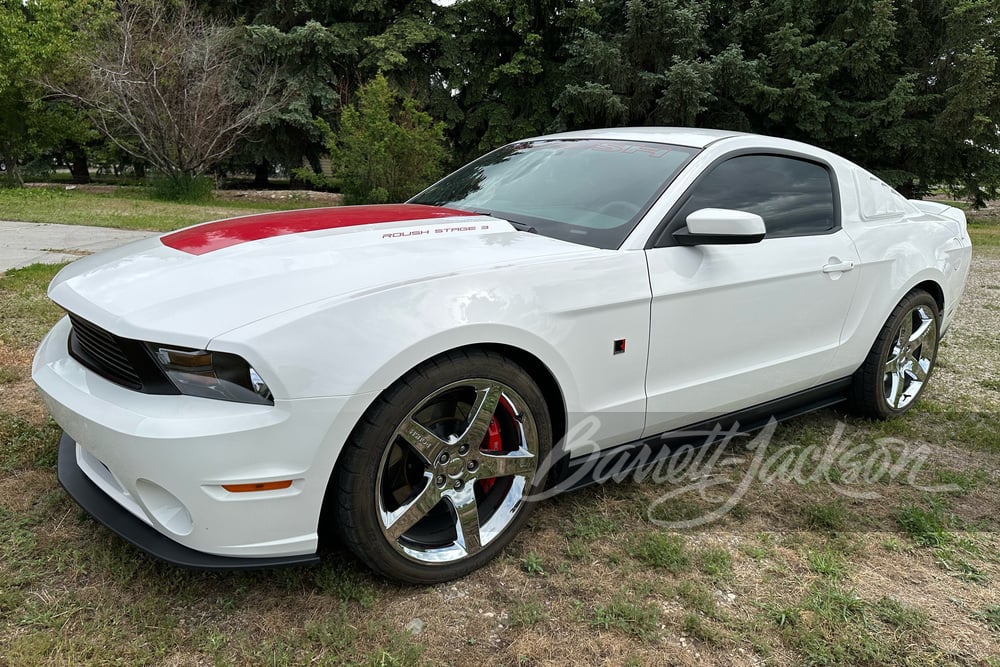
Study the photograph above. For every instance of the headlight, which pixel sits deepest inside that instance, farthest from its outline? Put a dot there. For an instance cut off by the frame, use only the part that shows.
(218, 375)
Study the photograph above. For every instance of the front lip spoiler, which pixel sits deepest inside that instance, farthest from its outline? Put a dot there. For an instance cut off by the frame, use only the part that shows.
(123, 523)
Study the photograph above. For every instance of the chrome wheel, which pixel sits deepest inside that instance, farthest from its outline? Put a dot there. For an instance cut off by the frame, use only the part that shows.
(910, 357)
(455, 470)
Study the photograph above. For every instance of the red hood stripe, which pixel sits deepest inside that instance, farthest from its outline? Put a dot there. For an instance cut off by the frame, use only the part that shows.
(224, 233)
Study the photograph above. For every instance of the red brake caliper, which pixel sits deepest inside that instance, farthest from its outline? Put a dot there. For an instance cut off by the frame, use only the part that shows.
(491, 443)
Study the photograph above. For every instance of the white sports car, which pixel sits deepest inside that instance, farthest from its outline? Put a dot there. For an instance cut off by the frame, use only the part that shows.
(402, 377)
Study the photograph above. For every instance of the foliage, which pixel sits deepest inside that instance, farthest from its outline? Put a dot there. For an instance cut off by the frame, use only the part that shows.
(499, 66)
(184, 187)
(36, 36)
(387, 149)
(160, 84)
(909, 90)
(327, 50)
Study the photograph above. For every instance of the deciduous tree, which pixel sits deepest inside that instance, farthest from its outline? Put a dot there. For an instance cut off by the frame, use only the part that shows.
(36, 36)
(163, 85)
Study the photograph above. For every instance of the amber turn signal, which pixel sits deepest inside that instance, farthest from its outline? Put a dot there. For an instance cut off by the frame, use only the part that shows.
(257, 486)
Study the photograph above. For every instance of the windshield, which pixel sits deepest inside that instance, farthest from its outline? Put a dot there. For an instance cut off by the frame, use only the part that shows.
(589, 191)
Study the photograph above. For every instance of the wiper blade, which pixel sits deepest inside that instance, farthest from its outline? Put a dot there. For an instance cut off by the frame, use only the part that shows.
(519, 226)
(522, 226)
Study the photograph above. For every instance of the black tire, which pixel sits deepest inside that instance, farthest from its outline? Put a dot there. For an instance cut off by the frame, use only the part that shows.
(895, 372)
(413, 495)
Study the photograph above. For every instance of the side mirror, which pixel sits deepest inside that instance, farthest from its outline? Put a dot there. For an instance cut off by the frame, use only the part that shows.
(708, 226)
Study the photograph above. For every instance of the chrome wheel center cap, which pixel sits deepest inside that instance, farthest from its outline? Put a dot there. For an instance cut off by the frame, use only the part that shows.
(454, 467)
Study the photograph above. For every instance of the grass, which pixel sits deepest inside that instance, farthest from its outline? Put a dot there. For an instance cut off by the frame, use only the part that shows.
(927, 526)
(715, 562)
(829, 517)
(526, 613)
(800, 575)
(991, 616)
(532, 564)
(833, 625)
(638, 619)
(27, 311)
(984, 228)
(828, 563)
(126, 208)
(666, 552)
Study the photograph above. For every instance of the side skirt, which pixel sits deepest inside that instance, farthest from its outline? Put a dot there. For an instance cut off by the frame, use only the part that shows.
(583, 471)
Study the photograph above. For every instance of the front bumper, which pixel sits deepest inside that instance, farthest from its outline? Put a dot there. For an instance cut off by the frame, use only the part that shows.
(153, 468)
(126, 525)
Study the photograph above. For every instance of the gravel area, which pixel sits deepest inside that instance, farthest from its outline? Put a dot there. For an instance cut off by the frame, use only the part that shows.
(968, 371)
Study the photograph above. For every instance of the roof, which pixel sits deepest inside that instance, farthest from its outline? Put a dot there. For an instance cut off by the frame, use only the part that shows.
(692, 137)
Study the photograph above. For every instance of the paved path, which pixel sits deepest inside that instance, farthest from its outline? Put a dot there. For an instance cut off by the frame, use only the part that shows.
(24, 243)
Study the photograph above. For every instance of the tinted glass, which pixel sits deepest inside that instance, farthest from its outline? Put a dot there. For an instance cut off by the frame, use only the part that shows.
(586, 191)
(794, 197)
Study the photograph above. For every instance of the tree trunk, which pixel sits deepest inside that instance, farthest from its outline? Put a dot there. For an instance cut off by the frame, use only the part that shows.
(140, 169)
(12, 176)
(260, 174)
(78, 165)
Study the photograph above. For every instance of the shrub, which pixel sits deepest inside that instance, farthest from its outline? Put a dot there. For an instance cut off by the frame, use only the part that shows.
(387, 149)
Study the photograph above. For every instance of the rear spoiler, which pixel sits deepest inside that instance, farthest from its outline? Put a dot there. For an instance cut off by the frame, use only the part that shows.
(943, 210)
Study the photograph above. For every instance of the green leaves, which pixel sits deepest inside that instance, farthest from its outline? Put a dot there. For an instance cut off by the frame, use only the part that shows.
(36, 36)
(909, 90)
(387, 149)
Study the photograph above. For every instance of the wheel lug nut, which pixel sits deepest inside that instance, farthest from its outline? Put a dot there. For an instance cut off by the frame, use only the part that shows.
(472, 465)
(443, 458)
(440, 480)
(463, 449)
(458, 484)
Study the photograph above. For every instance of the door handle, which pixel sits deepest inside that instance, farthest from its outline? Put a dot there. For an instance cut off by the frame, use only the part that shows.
(839, 267)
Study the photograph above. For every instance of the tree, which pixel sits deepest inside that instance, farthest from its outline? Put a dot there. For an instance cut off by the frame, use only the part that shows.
(909, 90)
(327, 50)
(499, 66)
(387, 149)
(966, 132)
(163, 85)
(36, 36)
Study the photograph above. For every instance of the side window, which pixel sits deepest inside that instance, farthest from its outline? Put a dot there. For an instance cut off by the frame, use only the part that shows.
(794, 197)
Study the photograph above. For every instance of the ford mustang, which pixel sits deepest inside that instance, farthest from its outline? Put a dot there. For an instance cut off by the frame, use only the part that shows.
(402, 378)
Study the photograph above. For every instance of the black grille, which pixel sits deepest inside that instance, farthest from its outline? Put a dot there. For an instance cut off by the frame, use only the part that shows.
(121, 360)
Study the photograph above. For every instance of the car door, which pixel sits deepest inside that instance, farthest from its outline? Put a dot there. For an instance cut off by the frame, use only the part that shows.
(737, 325)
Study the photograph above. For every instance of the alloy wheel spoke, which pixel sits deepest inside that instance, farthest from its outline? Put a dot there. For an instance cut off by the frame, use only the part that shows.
(467, 527)
(505, 465)
(895, 389)
(404, 518)
(922, 332)
(905, 331)
(487, 398)
(917, 370)
(899, 384)
(423, 441)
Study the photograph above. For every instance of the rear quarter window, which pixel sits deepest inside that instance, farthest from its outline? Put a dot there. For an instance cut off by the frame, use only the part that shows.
(876, 200)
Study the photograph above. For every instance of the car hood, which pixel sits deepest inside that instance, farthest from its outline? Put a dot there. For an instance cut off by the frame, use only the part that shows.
(189, 286)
